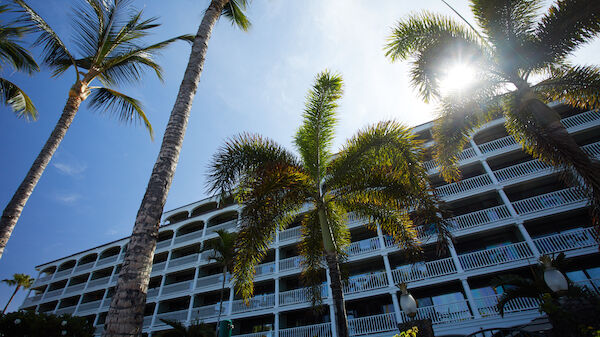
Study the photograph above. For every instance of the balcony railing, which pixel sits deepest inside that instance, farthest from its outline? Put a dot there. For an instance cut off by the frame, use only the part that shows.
(163, 244)
(63, 273)
(147, 322)
(364, 246)
(463, 156)
(488, 305)
(478, 218)
(549, 200)
(75, 287)
(593, 149)
(576, 239)
(421, 271)
(66, 310)
(189, 236)
(84, 266)
(365, 282)
(43, 279)
(464, 186)
(160, 266)
(177, 287)
(290, 234)
(107, 260)
(269, 333)
(53, 293)
(290, 263)
(521, 170)
(212, 280)
(301, 295)
(208, 311)
(372, 324)
(180, 315)
(255, 303)
(265, 269)
(180, 261)
(443, 313)
(495, 256)
(317, 330)
(224, 226)
(98, 282)
(592, 285)
(89, 306)
(588, 117)
(499, 144)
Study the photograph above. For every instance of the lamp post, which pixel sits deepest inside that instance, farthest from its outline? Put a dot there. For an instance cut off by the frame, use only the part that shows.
(407, 301)
(408, 304)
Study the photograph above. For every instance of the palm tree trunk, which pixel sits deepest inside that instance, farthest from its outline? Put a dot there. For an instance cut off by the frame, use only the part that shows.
(221, 299)
(10, 299)
(15, 206)
(126, 311)
(339, 309)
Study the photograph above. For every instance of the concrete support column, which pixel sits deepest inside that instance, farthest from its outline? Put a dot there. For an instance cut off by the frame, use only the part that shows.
(388, 271)
(193, 285)
(160, 289)
(397, 308)
(489, 172)
(529, 240)
(475, 147)
(276, 293)
(155, 313)
(470, 298)
(330, 302)
(230, 303)
(276, 324)
(508, 204)
(454, 255)
(381, 238)
(277, 258)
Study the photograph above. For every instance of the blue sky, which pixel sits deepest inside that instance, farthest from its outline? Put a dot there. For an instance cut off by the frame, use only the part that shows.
(253, 82)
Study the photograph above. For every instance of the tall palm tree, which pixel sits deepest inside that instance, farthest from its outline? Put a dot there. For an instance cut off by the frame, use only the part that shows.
(109, 37)
(377, 175)
(126, 312)
(520, 59)
(11, 52)
(223, 253)
(21, 281)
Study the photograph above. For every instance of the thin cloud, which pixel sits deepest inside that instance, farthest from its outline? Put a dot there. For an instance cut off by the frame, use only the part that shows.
(70, 169)
(67, 198)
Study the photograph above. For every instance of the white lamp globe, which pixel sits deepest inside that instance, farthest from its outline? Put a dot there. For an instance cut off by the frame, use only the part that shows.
(555, 280)
(407, 302)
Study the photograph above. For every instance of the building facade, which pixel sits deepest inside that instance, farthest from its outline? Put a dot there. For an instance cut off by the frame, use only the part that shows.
(508, 210)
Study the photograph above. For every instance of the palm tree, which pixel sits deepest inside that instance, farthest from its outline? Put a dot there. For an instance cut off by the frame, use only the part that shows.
(11, 52)
(126, 312)
(377, 175)
(223, 253)
(109, 36)
(196, 329)
(521, 63)
(21, 281)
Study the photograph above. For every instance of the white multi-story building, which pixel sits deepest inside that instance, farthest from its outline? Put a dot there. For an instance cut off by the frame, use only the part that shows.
(507, 211)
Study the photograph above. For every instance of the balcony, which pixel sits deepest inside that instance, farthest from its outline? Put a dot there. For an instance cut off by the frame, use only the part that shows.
(43, 279)
(463, 186)
(188, 237)
(84, 266)
(147, 322)
(210, 281)
(159, 266)
(290, 234)
(177, 287)
(488, 306)
(258, 302)
(592, 285)
(75, 287)
(443, 313)
(499, 145)
(466, 154)
(514, 172)
(209, 311)
(422, 271)
(53, 293)
(581, 121)
(31, 300)
(180, 315)
(264, 269)
(152, 293)
(107, 260)
(552, 200)
(364, 246)
(479, 218)
(495, 256)
(63, 273)
(98, 282)
(593, 149)
(290, 263)
(163, 244)
(365, 282)
(564, 242)
(66, 310)
(373, 324)
(89, 306)
(297, 296)
(224, 226)
(317, 330)
(183, 261)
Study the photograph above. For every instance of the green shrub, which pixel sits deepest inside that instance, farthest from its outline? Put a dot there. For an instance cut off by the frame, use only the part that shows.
(28, 323)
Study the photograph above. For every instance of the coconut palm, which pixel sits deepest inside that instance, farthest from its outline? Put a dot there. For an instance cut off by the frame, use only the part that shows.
(520, 60)
(377, 175)
(109, 37)
(223, 252)
(11, 52)
(126, 312)
(20, 281)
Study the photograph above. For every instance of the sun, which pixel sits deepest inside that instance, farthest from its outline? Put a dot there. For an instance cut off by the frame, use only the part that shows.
(458, 77)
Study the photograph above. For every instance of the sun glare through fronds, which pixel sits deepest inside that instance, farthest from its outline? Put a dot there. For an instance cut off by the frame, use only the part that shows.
(458, 77)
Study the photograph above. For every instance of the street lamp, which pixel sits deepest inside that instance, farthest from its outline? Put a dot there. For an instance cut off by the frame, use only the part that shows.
(407, 301)
(555, 280)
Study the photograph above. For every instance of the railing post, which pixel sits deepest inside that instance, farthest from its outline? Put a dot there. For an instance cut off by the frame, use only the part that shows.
(527, 237)
(470, 298)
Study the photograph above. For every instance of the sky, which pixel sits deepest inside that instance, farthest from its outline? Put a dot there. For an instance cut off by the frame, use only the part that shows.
(252, 82)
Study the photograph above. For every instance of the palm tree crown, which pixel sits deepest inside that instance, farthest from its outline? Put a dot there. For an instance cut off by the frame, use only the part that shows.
(377, 175)
(12, 53)
(521, 63)
(20, 281)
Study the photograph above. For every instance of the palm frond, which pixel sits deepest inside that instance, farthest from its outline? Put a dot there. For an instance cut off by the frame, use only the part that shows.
(577, 86)
(54, 51)
(176, 325)
(17, 99)
(13, 53)
(507, 21)
(314, 138)
(311, 249)
(234, 10)
(224, 248)
(563, 28)
(127, 109)
(239, 156)
(516, 287)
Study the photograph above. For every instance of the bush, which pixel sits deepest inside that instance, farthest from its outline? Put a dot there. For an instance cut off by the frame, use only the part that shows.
(28, 323)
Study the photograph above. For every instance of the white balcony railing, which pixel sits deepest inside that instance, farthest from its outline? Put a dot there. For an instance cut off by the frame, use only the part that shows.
(66, 310)
(208, 311)
(290, 234)
(290, 263)
(188, 237)
(255, 303)
(593, 149)
(265, 269)
(180, 261)
(549, 200)
(84, 266)
(75, 287)
(464, 155)
(215, 280)
(592, 285)
(588, 117)
(107, 260)
(98, 282)
(317, 330)
(521, 170)
(301, 295)
(177, 287)
(365, 282)
(488, 305)
(160, 266)
(180, 315)
(151, 293)
(63, 273)
(495, 256)
(147, 322)
(89, 306)
(482, 217)
(465, 185)
(53, 293)
(499, 144)
(426, 270)
(43, 279)
(364, 246)
(163, 244)
(32, 299)
(372, 324)
(443, 313)
(224, 226)
(576, 239)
